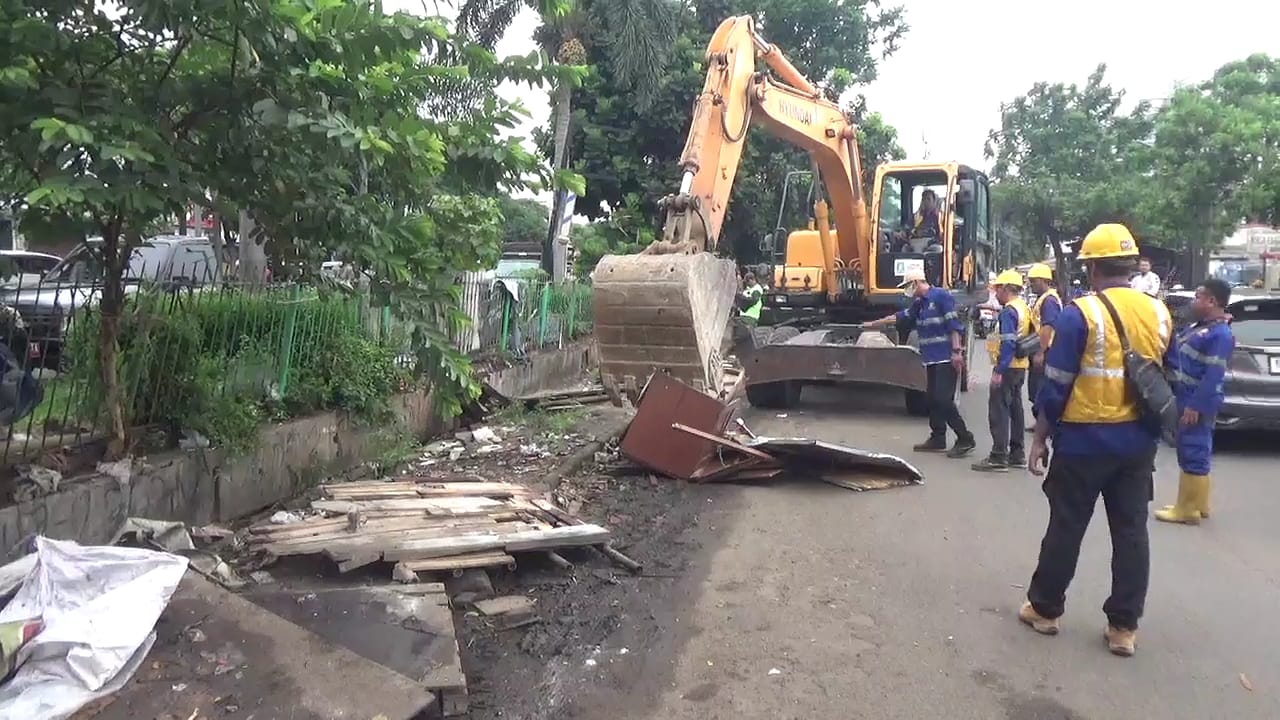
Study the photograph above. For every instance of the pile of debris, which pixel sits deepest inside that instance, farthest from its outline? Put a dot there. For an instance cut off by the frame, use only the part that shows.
(425, 525)
(682, 433)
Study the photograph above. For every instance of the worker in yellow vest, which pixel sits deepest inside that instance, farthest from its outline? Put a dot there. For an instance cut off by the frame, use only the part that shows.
(1101, 446)
(752, 298)
(1044, 313)
(1004, 402)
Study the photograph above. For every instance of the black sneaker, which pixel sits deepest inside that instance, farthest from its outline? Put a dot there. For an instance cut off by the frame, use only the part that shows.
(963, 447)
(991, 464)
(931, 445)
(1017, 461)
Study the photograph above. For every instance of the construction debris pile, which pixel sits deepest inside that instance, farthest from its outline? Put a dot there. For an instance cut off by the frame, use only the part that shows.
(425, 525)
(682, 433)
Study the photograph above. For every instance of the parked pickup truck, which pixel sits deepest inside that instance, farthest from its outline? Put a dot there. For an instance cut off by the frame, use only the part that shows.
(76, 284)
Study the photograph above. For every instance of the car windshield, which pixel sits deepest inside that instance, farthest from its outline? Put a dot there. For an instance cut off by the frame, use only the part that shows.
(86, 267)
(511, 267)
(1256, 324)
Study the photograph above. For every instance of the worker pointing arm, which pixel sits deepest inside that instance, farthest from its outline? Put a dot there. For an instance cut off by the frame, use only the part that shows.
(939, 330)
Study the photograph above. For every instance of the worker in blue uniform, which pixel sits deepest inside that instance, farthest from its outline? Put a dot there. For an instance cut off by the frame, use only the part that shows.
(940, 333)
(1009, 374)
(1203, 351)
(1101, 445)
(1044, 313)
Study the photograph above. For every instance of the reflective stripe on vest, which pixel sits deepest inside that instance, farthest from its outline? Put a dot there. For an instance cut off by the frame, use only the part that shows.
(753, 311)
(1100, 393)
(1024, 328)
(1035, 312)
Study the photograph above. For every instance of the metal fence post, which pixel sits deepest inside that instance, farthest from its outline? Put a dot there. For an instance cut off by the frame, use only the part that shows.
(573, 312)
(286, 338)
(544, 307)
(506, 322)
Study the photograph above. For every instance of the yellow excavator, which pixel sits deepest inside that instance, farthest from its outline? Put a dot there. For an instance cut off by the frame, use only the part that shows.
(666, 309)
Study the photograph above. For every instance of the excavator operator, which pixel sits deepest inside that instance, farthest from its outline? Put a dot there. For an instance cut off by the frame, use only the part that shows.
(927, 228)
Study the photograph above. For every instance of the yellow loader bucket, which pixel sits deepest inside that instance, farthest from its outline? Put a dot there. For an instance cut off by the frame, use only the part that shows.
(661, 313)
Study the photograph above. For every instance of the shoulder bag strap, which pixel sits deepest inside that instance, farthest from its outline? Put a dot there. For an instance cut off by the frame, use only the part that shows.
(1115, 318)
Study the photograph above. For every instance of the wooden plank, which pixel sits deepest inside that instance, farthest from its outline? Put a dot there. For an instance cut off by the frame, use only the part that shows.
(373, 526)
(478, 489)
(549, 539)
(442, 506)
(359, 542)
(460, 562)
(724, 442)
(422, 588)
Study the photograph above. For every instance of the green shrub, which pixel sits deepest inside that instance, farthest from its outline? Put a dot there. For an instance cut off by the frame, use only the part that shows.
(214, 362)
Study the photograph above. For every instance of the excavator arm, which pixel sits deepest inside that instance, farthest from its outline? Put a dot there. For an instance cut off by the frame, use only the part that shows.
(667, 309)
(734, 97)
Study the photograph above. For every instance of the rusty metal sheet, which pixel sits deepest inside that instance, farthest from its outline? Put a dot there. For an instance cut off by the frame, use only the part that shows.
(818, 457)
(650, 439)
(838, 354)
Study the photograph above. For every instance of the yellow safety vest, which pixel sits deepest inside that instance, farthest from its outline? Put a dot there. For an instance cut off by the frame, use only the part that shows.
(1035, 312)
(753, 310)
(1024, 328)
(1100, 393)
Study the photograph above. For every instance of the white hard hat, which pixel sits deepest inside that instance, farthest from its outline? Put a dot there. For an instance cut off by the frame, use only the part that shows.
(911, 276)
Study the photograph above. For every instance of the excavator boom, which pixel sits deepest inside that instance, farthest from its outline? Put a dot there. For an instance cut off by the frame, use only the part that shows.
(667, 308)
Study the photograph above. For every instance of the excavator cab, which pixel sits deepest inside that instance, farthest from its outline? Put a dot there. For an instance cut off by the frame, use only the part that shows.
(931, 217)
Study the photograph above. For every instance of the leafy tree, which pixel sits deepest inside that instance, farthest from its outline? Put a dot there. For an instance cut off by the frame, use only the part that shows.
(1067, 158)
(628, 150)
(1217, 154)
(303, 117)
(523, 220)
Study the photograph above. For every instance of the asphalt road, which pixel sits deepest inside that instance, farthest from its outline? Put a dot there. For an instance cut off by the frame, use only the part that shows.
(901, 603)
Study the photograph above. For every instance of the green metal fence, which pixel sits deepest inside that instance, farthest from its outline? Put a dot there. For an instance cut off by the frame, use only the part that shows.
(222, 359)
(516, 316)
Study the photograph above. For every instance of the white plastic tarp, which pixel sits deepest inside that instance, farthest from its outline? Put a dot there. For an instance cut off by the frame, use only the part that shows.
(100, 605)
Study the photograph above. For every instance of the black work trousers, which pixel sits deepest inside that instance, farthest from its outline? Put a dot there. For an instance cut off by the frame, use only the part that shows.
(1072, 486)
(941, 389)
(1035, 377)
(1007, 416)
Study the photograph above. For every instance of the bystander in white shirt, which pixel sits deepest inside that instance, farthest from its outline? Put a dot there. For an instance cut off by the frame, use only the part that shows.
(1146, 282)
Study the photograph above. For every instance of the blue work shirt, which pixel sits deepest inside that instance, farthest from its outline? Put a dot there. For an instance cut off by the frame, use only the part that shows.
(1123, 439)
(1198, 366)
(1008, 337)
(934, 316)
(1050, 309)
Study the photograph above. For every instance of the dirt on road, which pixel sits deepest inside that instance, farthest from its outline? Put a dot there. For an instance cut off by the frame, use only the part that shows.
(604, 639)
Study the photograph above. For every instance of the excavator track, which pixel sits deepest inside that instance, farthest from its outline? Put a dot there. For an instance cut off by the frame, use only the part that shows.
(661, 313)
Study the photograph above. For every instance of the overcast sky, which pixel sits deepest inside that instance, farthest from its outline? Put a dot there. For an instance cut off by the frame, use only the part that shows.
(974, 55)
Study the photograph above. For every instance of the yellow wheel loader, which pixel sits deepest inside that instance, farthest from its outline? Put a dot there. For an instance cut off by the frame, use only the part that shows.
(667, 308)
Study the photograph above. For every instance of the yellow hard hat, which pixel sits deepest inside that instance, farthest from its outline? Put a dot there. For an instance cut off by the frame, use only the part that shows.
(1009, 277)
(1041, 271)
(1108, 240)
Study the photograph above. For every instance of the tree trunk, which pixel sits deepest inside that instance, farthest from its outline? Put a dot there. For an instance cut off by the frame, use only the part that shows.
(562, 105)
(114, 257)
(253, 251)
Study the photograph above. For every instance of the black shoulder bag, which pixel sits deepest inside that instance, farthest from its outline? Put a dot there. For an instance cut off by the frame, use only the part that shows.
(1148, 381)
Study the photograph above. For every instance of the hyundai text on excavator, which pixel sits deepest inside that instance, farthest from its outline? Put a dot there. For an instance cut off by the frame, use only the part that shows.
(666, 309)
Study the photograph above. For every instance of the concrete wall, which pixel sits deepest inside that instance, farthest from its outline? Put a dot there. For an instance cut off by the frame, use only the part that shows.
(200, 487)
(546, 370)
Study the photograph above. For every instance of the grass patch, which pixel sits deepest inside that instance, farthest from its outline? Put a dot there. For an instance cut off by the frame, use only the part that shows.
(540, 421)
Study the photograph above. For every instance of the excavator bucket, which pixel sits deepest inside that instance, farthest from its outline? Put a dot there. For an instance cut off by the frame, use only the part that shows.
(661, 313)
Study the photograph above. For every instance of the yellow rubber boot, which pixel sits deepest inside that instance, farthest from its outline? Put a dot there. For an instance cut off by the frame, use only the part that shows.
(1185, 510)
(1202, 495)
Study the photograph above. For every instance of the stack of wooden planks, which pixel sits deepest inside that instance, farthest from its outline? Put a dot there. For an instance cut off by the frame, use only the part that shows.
(426, 525)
